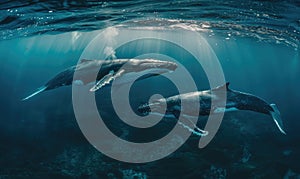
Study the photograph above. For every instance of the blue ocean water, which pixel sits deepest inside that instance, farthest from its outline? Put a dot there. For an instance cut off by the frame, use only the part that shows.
(256, 43)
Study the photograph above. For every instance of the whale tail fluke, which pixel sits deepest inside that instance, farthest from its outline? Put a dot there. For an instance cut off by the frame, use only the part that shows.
(39, 90)
(276, 117)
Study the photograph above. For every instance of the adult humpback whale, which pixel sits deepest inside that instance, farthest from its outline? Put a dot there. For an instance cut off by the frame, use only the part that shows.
(107, 71)
(235, 101)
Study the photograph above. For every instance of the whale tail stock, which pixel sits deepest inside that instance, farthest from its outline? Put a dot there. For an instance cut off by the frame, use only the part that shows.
(276, 117)
(39, 90)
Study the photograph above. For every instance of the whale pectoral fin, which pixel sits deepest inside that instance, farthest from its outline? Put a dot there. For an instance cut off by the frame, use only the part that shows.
(192, 127)
(276, 117)
(119, 73)
(107, 79)
(103, 81)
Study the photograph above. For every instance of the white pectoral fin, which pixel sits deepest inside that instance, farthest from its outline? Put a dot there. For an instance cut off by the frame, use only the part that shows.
(277, 119)
(119, 73)
(195, 130)
(106, 80)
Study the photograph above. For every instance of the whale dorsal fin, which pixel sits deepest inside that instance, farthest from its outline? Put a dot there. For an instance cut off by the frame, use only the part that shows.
(223, 87)
(227, 86)
(85, 60)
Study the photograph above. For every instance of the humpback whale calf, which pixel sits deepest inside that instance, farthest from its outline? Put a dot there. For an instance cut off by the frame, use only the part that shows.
(107, 71)
(235, 101)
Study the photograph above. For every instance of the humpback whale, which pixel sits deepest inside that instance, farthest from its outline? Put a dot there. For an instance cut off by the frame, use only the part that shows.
(236, 100)
(107, 71)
